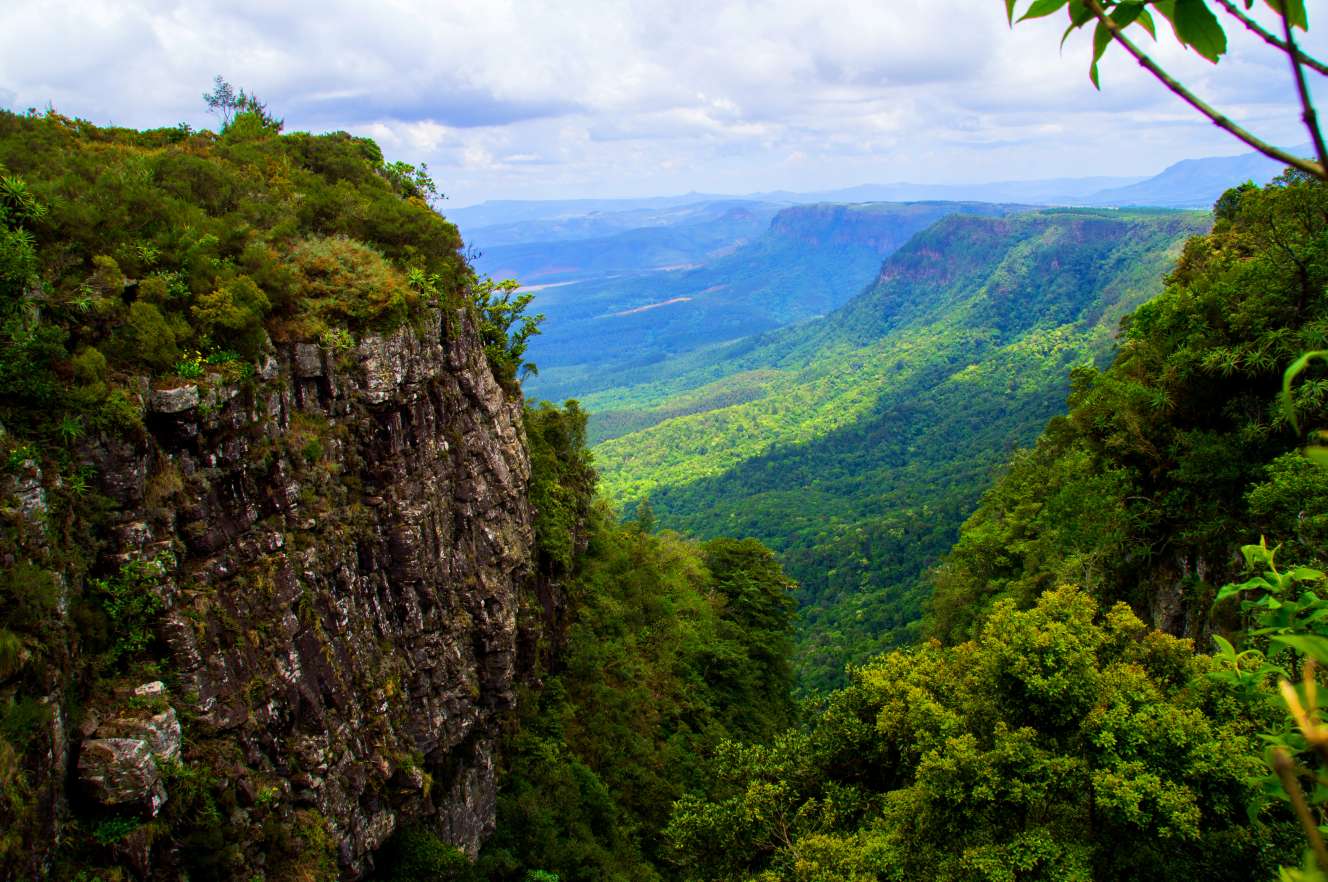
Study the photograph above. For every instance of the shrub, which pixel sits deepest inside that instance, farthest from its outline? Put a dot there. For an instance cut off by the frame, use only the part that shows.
(416, 855)
(148, 339)
(231, 316)
(345, 282)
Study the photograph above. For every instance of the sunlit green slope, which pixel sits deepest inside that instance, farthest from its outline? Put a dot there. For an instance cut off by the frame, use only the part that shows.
(856, 445)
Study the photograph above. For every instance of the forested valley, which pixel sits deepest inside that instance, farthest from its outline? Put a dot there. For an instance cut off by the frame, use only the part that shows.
(284, 539)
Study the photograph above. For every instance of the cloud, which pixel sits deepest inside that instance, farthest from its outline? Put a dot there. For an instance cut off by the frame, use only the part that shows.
(523, 99)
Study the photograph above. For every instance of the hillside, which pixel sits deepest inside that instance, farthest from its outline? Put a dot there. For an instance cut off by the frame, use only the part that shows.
(286, 568)
(1047, 732)
(808, 261)
(293, 587)
(855, 445)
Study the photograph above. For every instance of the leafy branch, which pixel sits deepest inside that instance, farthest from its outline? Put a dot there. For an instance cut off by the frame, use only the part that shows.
(1270, 38)
(1196, 28)
(505, 328)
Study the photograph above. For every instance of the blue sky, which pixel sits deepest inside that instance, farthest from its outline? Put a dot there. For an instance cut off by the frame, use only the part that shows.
(528, 100)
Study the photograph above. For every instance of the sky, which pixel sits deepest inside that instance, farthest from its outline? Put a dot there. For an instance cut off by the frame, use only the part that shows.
(523, 99)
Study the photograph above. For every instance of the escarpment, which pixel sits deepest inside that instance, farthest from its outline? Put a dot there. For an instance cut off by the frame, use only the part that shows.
(329, 557)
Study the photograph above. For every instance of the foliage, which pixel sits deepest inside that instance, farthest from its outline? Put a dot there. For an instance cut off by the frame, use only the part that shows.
(416, 855)
(505, 327)
(1198, 28)
(562, 481)
(412, 182)
(144, 246)
(672, 646)
(230, 105)
(1171, 455)
(1286, 640)
(1059, 745)
(345, 284)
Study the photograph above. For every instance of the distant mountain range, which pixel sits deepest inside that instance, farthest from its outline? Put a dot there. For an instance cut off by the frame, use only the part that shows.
(1191, 183)
(608, 324)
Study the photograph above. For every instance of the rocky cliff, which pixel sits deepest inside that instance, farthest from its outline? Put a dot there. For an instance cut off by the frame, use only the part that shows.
(329, 556)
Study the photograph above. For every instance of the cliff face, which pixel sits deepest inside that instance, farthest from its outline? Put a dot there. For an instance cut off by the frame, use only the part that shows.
(339, 547)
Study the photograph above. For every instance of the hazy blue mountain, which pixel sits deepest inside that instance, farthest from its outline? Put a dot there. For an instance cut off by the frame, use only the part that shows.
(606, 332)
(506, 222)
(603, 224)
(673, 238)
(1052, 191)
(1194, 183)
(510, 211)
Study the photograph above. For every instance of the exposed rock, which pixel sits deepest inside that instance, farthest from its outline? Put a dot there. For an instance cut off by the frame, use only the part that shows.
(154, 689)
(308, 360)
(340, 547)
(121, 773)
(352, 540)
(177, 400)
(159, 731)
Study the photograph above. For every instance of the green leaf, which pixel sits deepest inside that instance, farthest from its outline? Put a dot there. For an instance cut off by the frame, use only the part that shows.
(1308, 644)
(1041, 8)
(1293, 10)
(1225, 649)
(1146, 20)
(1125, 14)
(1297, 367)
(1080, 15)
(1230, 590)
(1198, 28)
(1101, 40)
(1009, 11)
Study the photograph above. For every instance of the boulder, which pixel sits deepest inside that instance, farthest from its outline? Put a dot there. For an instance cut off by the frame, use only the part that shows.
(121, 773)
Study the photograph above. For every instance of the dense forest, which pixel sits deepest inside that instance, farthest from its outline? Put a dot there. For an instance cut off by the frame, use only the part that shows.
(631, 328)
(174, 256)
(1084, 698)
(168, 257)
(1044, 730)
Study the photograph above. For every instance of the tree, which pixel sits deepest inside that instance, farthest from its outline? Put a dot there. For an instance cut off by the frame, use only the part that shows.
(1065, 743)
(505, 327)
(1198, 28)
(228, 104)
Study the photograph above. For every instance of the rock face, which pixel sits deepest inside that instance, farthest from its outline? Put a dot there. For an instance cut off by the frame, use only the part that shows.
(343, 543)
(122, 773)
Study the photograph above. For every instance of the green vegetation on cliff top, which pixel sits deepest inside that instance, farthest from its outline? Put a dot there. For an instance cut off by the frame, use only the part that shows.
(1048, 735)
(132, 260)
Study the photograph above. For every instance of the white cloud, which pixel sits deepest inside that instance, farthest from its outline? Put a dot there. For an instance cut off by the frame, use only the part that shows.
(523, 98)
